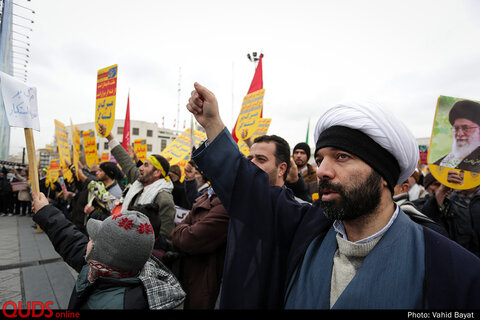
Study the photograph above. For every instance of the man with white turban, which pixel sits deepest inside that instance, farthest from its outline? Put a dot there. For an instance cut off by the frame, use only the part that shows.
(354, 248)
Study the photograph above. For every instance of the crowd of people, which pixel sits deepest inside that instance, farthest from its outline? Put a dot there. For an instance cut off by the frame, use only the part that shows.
(15, 196)
(363, 226)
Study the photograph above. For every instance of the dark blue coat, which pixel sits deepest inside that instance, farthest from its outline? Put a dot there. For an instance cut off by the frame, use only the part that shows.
(269, 233)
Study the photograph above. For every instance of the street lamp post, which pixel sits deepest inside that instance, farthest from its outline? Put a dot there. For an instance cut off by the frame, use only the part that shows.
(254, 57)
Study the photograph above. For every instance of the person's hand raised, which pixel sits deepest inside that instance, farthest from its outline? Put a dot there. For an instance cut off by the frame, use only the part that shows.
(189, 172)
(292, 175)
(204, 106)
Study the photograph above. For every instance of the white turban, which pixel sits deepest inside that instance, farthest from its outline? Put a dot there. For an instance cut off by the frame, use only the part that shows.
(378, 123)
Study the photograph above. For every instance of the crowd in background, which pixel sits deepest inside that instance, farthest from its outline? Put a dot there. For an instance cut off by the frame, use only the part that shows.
(15, 196)
(191, 229)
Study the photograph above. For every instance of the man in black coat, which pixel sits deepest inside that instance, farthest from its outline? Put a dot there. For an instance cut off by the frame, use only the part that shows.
(6, 193)
(457, 211)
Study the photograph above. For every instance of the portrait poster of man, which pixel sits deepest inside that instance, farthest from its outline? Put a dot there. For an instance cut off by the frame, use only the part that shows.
(455, 141)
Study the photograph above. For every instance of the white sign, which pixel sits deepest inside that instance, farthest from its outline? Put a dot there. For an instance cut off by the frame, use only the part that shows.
(20, 103)
(181, 214)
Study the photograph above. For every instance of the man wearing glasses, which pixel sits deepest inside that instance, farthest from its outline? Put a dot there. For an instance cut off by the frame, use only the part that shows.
(465, 120)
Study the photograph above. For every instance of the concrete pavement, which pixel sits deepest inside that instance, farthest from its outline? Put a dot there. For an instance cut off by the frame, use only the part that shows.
(30, 269)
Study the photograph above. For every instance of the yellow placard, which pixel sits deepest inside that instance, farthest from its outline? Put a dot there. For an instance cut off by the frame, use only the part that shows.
(140, 148)
(442, 143)
(90, 146)
(48, 177)
(180, 148)
(470, 179)
(250, 112)
(52, 171)
(261, 129)
(63, 149)
(62, 142)
(76, 145)
(105, 157)
(105, 98)
(182, 164)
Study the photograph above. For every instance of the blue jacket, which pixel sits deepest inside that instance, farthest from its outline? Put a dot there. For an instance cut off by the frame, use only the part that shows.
(269, 233)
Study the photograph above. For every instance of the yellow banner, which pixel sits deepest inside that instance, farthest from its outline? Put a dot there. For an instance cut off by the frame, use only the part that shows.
(105, 157)
(52, 170)
(48, 177)
(63, 149)
(90, 146)
(182, 164)
(250, 112)
(140, 148)
(76, 145)
(105, 98)
(180, 148)
(62, 142)
(261, 129)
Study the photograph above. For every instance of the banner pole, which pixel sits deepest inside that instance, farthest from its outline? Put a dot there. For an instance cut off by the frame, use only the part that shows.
(31, 152)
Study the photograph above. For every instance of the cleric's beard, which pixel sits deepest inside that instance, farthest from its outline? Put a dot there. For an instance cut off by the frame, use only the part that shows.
(359, 199)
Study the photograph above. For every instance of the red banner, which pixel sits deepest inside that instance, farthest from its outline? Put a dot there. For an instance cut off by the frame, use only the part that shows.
(257, 84)
(126, 127)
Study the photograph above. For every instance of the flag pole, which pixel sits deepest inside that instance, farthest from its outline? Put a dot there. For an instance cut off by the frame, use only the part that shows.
(31, 153)
(308, 131)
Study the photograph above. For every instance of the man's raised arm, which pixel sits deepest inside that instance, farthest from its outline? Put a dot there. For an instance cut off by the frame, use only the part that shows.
(221, 159)
(121, 155)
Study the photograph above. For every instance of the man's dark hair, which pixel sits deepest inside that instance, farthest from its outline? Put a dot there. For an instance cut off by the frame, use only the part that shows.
(282, 150)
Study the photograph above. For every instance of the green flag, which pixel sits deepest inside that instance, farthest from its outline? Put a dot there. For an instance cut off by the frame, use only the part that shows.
(308, 130)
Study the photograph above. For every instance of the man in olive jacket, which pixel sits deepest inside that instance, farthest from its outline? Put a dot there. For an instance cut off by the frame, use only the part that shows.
(150, 183)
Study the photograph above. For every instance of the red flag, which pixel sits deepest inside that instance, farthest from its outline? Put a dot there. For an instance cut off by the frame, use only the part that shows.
(126, 126)
(257, 84)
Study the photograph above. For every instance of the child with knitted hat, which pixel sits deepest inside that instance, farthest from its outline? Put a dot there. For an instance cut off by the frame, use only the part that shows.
(116, 267)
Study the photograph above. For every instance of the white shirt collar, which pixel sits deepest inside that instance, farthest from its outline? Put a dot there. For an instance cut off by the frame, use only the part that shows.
(340, 228)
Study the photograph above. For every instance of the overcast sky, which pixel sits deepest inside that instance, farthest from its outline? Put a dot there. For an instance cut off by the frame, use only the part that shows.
(404, 53)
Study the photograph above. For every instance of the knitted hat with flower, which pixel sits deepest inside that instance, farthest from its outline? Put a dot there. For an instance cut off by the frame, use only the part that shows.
(123, 242)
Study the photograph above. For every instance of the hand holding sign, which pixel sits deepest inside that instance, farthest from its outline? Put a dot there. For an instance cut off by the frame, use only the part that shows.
(39, 201)
(455, 177)
(250, 114)
(105, 98)
(102, 131)
(455, 143)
